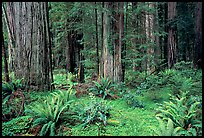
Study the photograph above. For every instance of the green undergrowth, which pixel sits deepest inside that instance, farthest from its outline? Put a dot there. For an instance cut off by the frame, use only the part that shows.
(123, 121)
(16, 126)
(132, 114)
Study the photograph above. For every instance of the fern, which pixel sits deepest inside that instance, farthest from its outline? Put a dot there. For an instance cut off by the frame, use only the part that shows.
(47, 113)
(167, 129)
(181, 112)
(16, 125)
(45, 128)
(39, 121)
(52, 129)
(102, 87)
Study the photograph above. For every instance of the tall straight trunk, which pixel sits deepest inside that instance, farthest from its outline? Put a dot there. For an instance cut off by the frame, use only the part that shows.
(157, 52)
(162, 21)
(172, 50)
(150, 39)
(123, 54)
(67, 52)
(107, 56)
(165, 51)
(81, 59)
(113, 33)
(101, 73)
(32, 45)
(197, 60)
(49, 44)
(7, 79)
(135, 23)
(70, 56)
(97, 48)
(118, 43)
(142, 40)
(7, 16)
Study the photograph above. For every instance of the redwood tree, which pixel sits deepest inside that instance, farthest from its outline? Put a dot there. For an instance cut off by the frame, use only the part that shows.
(172, 50)
(198, 36)
(113, 34)
(150, 38)
(28, 22)
(5, 58)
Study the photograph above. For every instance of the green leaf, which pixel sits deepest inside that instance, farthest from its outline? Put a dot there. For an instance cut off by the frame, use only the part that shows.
(43, 130)
(170, 127)
(52, 129)
(39, 121)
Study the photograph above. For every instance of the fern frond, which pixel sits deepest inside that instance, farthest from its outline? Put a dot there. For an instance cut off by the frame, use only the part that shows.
(170, 127)
(42, 131)
(45, 128)
(52, 129)
(39, 121)
(57, 109)
(60, 110)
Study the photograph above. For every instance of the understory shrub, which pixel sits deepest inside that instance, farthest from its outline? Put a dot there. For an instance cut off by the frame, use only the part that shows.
(132, 99)
(103, 87)
(179, 78)
(64, 80)
(166, 128)
(185, 112)
(17, 126)
(9, 87)
(48, 113)
(97, 111)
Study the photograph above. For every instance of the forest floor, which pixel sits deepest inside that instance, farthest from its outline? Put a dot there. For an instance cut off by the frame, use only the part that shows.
(124, 119)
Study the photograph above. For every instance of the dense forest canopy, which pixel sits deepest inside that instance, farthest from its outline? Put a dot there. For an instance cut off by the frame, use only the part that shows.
(105, 50)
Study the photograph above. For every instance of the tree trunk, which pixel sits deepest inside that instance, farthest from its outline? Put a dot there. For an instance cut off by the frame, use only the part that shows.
(81, 58)
(32, 43)
(198, 36)
(118, 43)
(101, 73)
(157, 53)
(70, 56)
(135, 24)
(107, 56)
(150, 39)
(8, 18)
(113, 33)
(48, 33)
(123, 54)
(4, 58)
(172, 50)
(97, 49)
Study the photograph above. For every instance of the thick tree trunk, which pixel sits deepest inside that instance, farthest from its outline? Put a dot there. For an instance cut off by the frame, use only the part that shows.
(150, 39)
(9, 23)
(135, 23)
(118, 43)
(198, 36)
(48, 33)
(70, 56)
(157, 53)
(162, 19)
(107, 56)
(172, 50)
(123, 54)
(113, 33)
(32, 44)
(81, 58)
